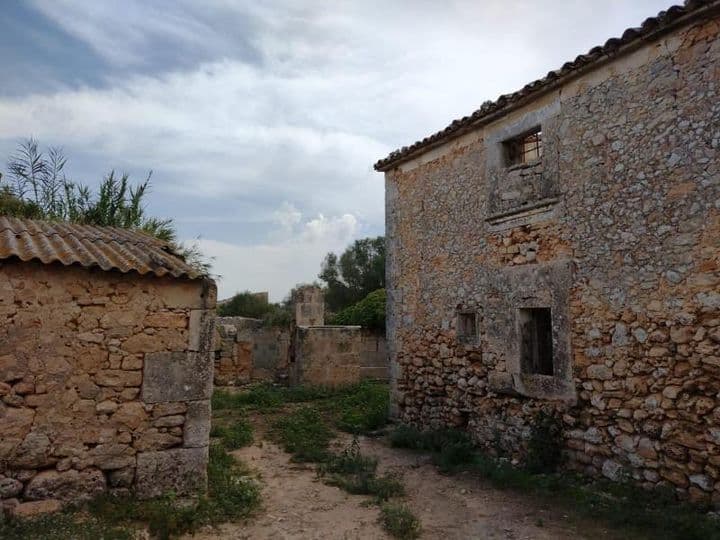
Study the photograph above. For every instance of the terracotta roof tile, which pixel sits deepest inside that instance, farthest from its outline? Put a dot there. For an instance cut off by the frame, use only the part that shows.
(109, 248)
(664, 20)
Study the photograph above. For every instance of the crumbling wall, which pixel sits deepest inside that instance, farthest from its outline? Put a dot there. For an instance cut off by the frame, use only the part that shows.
(623, 246)
(105, 383)
(326, 355)
(246, 350)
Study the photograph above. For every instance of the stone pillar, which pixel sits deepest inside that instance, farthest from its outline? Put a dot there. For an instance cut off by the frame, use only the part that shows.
(309, 306)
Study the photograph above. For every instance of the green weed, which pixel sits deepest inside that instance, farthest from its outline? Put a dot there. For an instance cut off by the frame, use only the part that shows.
(231, 495)
(635, 511)
(399, 521)
(304, 434)
(237, 434)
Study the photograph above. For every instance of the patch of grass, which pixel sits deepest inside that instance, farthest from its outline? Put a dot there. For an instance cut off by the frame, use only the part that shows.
(381, 488)
(231, 496)
(450, 448)
(399, 521)
(363, 407)
(356, 408)
(349, 461)
(61, 526)
(304, 434)
(355, 473)
(264, 396)
(635, 511)
(238, 434)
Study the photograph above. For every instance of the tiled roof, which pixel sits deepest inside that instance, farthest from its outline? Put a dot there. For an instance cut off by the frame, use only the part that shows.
(664, 21)
(109, 248)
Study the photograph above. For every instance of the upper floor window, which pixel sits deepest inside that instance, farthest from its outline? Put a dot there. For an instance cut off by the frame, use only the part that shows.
(524, 149)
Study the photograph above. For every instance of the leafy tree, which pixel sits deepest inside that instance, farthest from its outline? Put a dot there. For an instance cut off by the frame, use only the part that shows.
(245, 304)
(38, 188)
(368, 312)
(358, 271)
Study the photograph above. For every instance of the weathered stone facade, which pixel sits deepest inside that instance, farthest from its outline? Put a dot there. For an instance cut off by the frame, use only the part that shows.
(246, 350)
(326, 356)
(615, 232)
(105, 382)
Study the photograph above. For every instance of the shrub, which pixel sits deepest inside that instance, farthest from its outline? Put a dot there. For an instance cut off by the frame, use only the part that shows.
(304, 434)
(399, 521)
(350, 461)
(545, 445)
(245, 304)
(368, 312)
(236, 435)
(364, 407)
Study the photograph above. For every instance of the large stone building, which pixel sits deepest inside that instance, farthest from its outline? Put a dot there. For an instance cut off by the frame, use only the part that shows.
(105, 366)
(559, 249)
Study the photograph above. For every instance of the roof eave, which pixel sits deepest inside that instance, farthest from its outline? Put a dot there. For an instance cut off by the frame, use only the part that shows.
(388, 163)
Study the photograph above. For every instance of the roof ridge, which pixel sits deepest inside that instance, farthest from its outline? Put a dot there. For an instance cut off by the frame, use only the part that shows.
(663, 21)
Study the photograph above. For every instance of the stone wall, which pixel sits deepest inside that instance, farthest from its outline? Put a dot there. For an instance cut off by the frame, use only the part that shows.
(373, 356)
(620, 241)
(246, 350)
(326, 356)
(105, 382)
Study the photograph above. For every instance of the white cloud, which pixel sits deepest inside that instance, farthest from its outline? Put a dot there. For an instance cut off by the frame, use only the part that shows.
(279, 265)
(239, 106)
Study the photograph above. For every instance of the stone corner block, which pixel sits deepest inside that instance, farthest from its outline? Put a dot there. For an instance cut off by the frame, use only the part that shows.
(182, 471)
(176, 376)
(196, 431)
(201, 328)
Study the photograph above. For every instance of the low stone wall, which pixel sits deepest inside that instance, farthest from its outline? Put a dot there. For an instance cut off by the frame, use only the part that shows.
(327, 355)
(373, 356)
(105, 382)
(246, 351)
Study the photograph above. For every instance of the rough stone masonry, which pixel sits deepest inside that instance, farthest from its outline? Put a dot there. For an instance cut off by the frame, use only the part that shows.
(105, 383)
(559, 249)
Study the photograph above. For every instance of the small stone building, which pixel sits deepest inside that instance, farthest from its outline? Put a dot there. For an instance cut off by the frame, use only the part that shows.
(559, 249)
(105, 371)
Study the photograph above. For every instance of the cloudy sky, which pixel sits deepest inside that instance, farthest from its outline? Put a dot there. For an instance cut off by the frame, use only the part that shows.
(261, 119)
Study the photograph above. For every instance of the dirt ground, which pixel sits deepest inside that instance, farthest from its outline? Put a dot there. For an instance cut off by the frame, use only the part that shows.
(297, 505)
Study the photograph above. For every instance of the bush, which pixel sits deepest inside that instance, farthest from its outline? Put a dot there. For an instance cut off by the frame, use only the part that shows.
(245, 304)
(399, 521)
(236, 435)
(304, 434)
(368, 312)
(350, 461)
(545, 445)
(363, 407)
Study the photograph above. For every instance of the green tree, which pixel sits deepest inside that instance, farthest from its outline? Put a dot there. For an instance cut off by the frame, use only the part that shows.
(357, 272)
(368, 312)
(245, 304)
(38, 188)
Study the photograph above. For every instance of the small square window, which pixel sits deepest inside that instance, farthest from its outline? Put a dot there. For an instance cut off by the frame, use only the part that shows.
(536, 346)
(467, 327)
(524, 149)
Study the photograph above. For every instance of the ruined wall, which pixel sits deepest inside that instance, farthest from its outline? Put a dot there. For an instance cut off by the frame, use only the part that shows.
(105, 382)
(246, 350)
(621, 240)
(327, 356)
(373, 356)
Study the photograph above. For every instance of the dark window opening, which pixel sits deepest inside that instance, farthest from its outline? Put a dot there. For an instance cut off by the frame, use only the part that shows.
(536, 347)
(467, 330)
(525, 148)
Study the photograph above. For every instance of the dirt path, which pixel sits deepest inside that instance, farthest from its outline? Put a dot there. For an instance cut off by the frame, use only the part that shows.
(296, 505)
